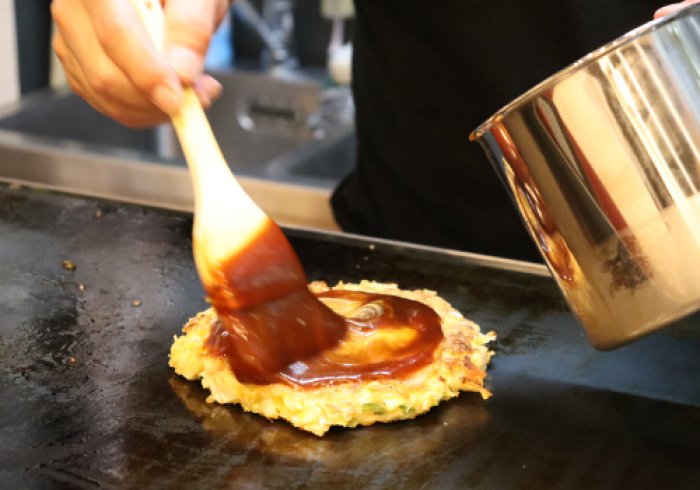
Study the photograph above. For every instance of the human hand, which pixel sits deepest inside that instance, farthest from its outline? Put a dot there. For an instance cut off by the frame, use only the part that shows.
(110, 61)
(669, 9)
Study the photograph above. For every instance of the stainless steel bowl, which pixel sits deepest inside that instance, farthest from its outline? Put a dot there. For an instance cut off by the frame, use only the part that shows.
(603, 162)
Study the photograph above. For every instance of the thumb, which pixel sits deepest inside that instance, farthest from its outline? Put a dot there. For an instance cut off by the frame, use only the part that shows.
(188, 29)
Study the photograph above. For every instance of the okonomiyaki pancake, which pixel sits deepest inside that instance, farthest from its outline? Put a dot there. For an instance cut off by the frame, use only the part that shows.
(351, 397)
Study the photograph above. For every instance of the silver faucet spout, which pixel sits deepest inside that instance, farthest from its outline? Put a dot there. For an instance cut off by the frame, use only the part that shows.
(274, 28)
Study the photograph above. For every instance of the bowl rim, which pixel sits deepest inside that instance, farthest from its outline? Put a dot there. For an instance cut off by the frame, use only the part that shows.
(583, 62)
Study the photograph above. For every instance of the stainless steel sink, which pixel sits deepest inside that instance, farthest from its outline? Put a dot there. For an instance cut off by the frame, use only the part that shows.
(276, 133)
(260, 118)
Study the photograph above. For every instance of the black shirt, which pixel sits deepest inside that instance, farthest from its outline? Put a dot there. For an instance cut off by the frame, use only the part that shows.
(426, 74)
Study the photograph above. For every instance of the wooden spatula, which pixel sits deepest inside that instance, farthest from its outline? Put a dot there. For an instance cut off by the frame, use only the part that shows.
(249, 269)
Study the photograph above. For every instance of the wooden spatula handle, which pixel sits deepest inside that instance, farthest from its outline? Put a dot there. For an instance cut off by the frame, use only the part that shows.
(216, 190)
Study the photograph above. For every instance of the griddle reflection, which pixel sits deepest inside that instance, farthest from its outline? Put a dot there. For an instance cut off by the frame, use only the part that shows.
(411, 444)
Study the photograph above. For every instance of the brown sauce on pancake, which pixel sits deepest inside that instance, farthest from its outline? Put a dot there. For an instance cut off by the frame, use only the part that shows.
(388, 337)
(271, 328)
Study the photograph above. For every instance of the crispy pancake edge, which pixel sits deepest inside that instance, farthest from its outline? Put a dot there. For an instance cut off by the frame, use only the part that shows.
(459, 365)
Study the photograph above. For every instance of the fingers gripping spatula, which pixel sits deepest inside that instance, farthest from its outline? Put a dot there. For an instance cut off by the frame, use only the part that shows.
(248, 268)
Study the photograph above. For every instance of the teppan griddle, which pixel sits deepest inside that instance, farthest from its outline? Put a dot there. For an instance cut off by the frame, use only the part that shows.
(87, 398)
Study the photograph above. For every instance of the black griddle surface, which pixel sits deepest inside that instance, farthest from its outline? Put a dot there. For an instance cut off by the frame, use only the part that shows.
(87, 398)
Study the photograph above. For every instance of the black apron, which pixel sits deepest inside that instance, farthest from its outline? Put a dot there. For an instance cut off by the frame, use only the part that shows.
(427, 73)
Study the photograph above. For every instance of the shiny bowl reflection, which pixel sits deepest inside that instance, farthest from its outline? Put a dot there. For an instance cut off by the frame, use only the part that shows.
(603, 162)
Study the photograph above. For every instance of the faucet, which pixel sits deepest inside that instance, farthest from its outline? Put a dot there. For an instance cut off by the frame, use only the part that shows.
(274, 28)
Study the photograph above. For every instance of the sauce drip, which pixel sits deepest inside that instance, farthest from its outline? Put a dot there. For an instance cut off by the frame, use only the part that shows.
(268, 319)
(387, 337)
